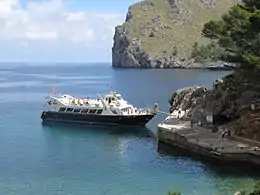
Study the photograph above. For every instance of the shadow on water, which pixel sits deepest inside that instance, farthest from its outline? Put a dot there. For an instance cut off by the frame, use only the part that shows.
(225, 170)
(75, 129)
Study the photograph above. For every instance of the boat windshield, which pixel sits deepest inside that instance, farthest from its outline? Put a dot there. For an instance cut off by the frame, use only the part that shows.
(119, 97)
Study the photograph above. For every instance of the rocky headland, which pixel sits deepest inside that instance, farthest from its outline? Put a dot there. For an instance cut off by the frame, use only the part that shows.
(162, 33)
(233, 103)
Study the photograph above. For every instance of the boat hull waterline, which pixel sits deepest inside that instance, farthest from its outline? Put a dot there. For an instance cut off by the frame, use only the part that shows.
(131, 120)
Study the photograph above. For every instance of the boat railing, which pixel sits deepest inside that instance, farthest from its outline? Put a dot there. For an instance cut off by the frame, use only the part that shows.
(144, 110)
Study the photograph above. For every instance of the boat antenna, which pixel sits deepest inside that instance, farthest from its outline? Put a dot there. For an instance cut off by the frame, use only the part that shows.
(111, 90)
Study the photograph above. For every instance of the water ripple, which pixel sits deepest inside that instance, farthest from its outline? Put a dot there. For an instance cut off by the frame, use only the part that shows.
(70, 159)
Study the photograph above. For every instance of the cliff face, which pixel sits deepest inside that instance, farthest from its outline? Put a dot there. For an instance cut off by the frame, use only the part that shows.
(161, 33)
(234, 102)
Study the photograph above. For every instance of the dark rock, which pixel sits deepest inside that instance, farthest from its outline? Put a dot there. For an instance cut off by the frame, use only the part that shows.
(185, 99)
(233, 101)
(129, 15)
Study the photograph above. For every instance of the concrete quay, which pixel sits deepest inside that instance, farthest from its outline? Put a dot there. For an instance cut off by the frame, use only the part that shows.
(200, 140)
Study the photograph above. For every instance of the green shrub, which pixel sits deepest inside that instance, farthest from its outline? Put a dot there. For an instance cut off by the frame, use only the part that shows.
(238, 33)
(207, 53)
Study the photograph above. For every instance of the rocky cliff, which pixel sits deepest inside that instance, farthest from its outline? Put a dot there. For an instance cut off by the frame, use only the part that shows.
(161, 33)
(233, 102)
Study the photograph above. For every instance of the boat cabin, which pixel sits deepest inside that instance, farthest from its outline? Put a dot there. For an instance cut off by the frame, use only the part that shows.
(112, 97)
(115, 101)
(115, 105)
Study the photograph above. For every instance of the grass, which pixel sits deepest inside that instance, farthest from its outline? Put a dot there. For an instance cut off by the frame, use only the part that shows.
(191, 15)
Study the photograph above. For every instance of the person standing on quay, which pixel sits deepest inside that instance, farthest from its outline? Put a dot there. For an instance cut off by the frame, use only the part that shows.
(179, 114)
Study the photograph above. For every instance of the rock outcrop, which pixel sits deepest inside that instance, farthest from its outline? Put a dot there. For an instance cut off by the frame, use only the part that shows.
(161, 33)
(233, 102)
(186, 99)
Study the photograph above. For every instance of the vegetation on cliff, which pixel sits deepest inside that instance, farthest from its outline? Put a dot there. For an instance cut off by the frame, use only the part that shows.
(234, 100)
(207, 53)
(238, 34)
(163, 30)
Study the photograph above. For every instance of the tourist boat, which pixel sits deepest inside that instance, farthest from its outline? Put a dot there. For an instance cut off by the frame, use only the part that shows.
(110, 109)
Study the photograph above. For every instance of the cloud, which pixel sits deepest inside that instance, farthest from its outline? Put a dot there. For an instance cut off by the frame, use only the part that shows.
(50, 26)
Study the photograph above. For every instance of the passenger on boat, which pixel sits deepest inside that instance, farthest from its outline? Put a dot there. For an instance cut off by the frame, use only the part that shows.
(81, 102)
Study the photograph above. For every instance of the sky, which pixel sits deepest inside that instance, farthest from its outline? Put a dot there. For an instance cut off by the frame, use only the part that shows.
(59, 30)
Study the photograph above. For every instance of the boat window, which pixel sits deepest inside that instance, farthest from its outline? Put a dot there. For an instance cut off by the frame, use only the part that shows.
(99, 111)
(62, 109)
(55, 102)
(109, 100)
(76, 110)
(92, 111)
(84, 111)
(119, 97)
(69, 110)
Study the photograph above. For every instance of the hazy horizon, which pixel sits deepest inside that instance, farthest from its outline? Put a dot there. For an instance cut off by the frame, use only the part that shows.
(13, 64)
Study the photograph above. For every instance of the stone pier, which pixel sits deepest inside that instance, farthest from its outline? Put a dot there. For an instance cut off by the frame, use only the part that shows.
(197, 139)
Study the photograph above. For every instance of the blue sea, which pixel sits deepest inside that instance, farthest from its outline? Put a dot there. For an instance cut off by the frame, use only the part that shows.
(61, 159)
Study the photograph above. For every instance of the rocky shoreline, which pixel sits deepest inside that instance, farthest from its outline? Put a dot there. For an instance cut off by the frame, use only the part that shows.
(216, 66)
(233, 102)
(221, 123)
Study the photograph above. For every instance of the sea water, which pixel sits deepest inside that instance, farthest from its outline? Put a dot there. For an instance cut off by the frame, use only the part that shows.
(62, 159)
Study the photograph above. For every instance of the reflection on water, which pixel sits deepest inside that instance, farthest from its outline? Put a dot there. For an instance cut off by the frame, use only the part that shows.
(117, 138)
(214, 167)
(87, 128)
